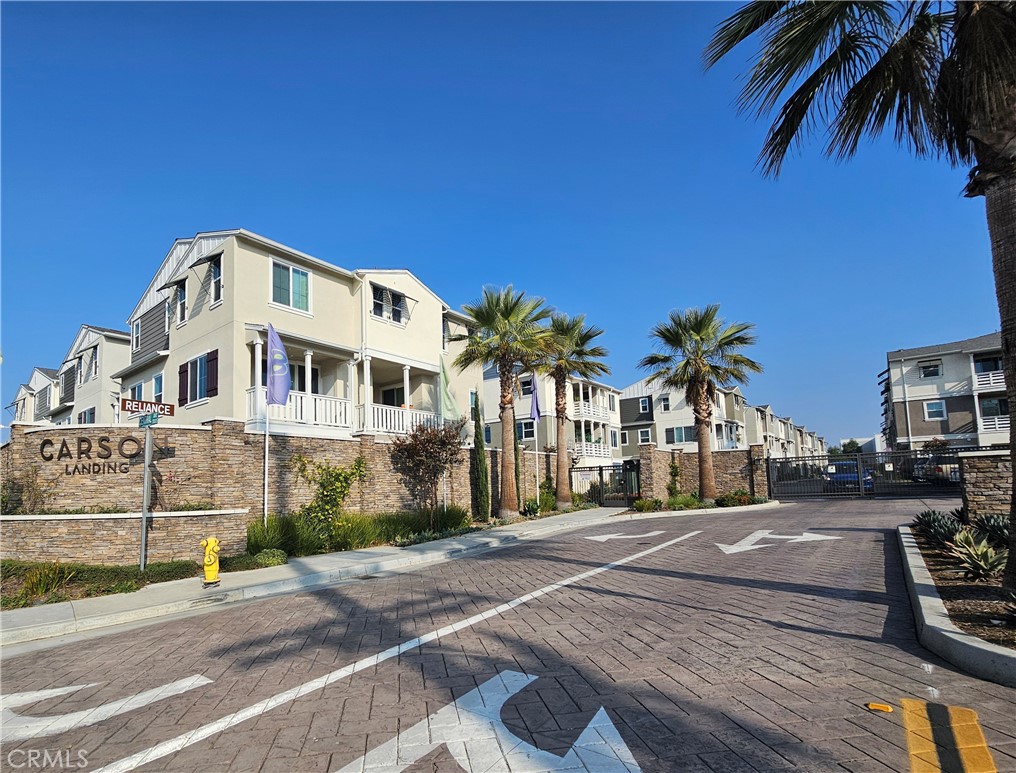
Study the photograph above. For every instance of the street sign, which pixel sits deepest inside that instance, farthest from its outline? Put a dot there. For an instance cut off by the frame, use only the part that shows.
(148, 420)
(146, 406)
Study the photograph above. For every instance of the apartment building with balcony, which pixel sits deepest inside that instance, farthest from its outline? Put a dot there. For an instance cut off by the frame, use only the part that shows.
(654, 414)
(592, 413)
(954, 391)
(369, 349)
(82, 390)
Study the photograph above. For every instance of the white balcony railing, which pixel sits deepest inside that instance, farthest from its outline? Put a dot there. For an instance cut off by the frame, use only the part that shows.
(301, 408)
(601, 450)
(396, 421)
(994, 379)
(586, 410)
(994, 424)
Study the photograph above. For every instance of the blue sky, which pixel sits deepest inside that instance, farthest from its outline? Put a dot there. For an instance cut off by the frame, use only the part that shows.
(578, 151)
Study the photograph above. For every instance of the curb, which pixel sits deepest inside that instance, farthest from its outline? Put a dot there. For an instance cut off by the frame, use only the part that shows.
(936, 631)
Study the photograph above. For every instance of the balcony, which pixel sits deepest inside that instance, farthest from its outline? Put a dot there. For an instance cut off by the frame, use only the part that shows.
(396, 421)
(301, 408)
(994, 424)
(586, 410)
(600, 450)
(993, 379)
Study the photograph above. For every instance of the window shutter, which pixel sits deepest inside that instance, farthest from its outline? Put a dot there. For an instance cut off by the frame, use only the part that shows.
(669, 434)
(212, 373)
(183, 384)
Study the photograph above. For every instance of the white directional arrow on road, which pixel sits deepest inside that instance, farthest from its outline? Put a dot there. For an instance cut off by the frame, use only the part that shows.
(749, 542)
(605, 537)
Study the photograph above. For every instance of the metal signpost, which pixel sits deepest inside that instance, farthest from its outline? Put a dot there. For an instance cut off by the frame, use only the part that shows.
(149, 417)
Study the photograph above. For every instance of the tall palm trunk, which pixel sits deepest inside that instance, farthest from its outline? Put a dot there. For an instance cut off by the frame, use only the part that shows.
(560, 406)
(509, 499)
(1000, 204)
(703, 410)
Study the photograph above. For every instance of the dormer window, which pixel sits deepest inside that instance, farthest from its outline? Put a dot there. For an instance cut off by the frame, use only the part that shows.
(388, 304)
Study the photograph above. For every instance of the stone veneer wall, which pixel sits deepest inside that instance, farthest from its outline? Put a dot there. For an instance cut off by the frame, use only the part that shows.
(987, 482)
(116, 538)
(218, 464)
(733, 470)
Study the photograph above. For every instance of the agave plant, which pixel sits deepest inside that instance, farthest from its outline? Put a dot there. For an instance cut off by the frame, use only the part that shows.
(978, 559)
(994, 529)
(938, 527)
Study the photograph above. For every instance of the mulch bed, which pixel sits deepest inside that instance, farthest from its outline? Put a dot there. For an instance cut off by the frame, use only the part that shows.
(972, 606)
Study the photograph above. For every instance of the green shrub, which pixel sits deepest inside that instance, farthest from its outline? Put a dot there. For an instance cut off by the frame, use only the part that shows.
(994, 529)
(737, 498)
(530, 508)
(108, 588)
(352, 531)
(648, 505)
(333, 484)
(978, 559)
(240, 563)
(304, 536)
(683, 502)
(937, 527)
(579, 500)
(16, 601)
(188, 506)
(46, 578)
(171, 570)
(428, 536)
(271, 557)
(266, 536)
(452, 517)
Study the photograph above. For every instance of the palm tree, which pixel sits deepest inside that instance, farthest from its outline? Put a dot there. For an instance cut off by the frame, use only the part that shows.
(700, 353)
(505, 332)
(942, 75)
(572, 353)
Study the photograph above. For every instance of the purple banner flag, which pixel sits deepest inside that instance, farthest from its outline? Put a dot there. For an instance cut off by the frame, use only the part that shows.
(278, 370)
(534, 408)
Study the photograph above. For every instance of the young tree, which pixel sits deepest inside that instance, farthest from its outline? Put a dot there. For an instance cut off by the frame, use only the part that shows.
(423, 456)
(572, 353)
(942, 75)
(699, 353)
(505, 331)
(851, 447)
(481, 470)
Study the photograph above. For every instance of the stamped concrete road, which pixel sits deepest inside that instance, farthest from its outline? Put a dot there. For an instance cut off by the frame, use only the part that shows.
(717, 642)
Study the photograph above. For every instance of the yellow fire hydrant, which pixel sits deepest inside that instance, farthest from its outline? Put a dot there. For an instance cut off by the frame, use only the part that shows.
(211, 546)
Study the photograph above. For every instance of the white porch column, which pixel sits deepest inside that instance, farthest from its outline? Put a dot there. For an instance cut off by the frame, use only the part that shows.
(307, 355)
(405, 386)
(350, 380)
(259, 403)
(368, 403)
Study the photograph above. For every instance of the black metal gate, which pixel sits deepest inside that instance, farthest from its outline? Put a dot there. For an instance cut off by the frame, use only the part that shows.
(617, 485)
(887, 473)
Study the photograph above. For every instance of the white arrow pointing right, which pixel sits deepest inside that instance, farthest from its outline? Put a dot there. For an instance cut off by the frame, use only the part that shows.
(749, 542)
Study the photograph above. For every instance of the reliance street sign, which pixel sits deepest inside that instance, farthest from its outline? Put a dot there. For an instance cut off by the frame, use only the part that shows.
(146, 406)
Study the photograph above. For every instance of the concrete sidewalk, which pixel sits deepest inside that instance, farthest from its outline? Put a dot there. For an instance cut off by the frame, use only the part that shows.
(169, 598)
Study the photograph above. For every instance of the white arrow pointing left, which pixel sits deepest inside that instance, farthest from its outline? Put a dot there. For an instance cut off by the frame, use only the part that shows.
(605, 537)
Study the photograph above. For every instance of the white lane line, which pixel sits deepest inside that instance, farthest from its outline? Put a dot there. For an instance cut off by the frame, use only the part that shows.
(174, 745)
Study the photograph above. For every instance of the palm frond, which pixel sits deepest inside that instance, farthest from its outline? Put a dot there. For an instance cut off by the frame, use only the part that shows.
(739, 27)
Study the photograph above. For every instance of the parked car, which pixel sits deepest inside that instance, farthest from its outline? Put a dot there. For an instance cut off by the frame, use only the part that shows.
(842, 476)
(937, 469)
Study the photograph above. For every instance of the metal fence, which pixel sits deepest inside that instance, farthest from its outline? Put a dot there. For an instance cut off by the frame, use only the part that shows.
(888, 473)
(615, 485)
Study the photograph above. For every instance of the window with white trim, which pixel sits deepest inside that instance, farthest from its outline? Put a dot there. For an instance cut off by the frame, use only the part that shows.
(136, 335)
(87, 416)
(664, 402)
(930, 369)
(290, 286)
(169, 315)
(934, 410)
(643, 405)
(388, 304)
(136, 391)
(526, 429)
(624, 437)
(486, 433)
(215, 277)
(526, 385)
(157, 388)
(611, 403)
(197, 378)
(181, 302)
(994, 406)
(644, 436)
(613, 438)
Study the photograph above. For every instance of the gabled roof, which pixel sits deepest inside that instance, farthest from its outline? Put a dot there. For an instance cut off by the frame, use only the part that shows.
(52, 373)
(86, 338)
(980, 343)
